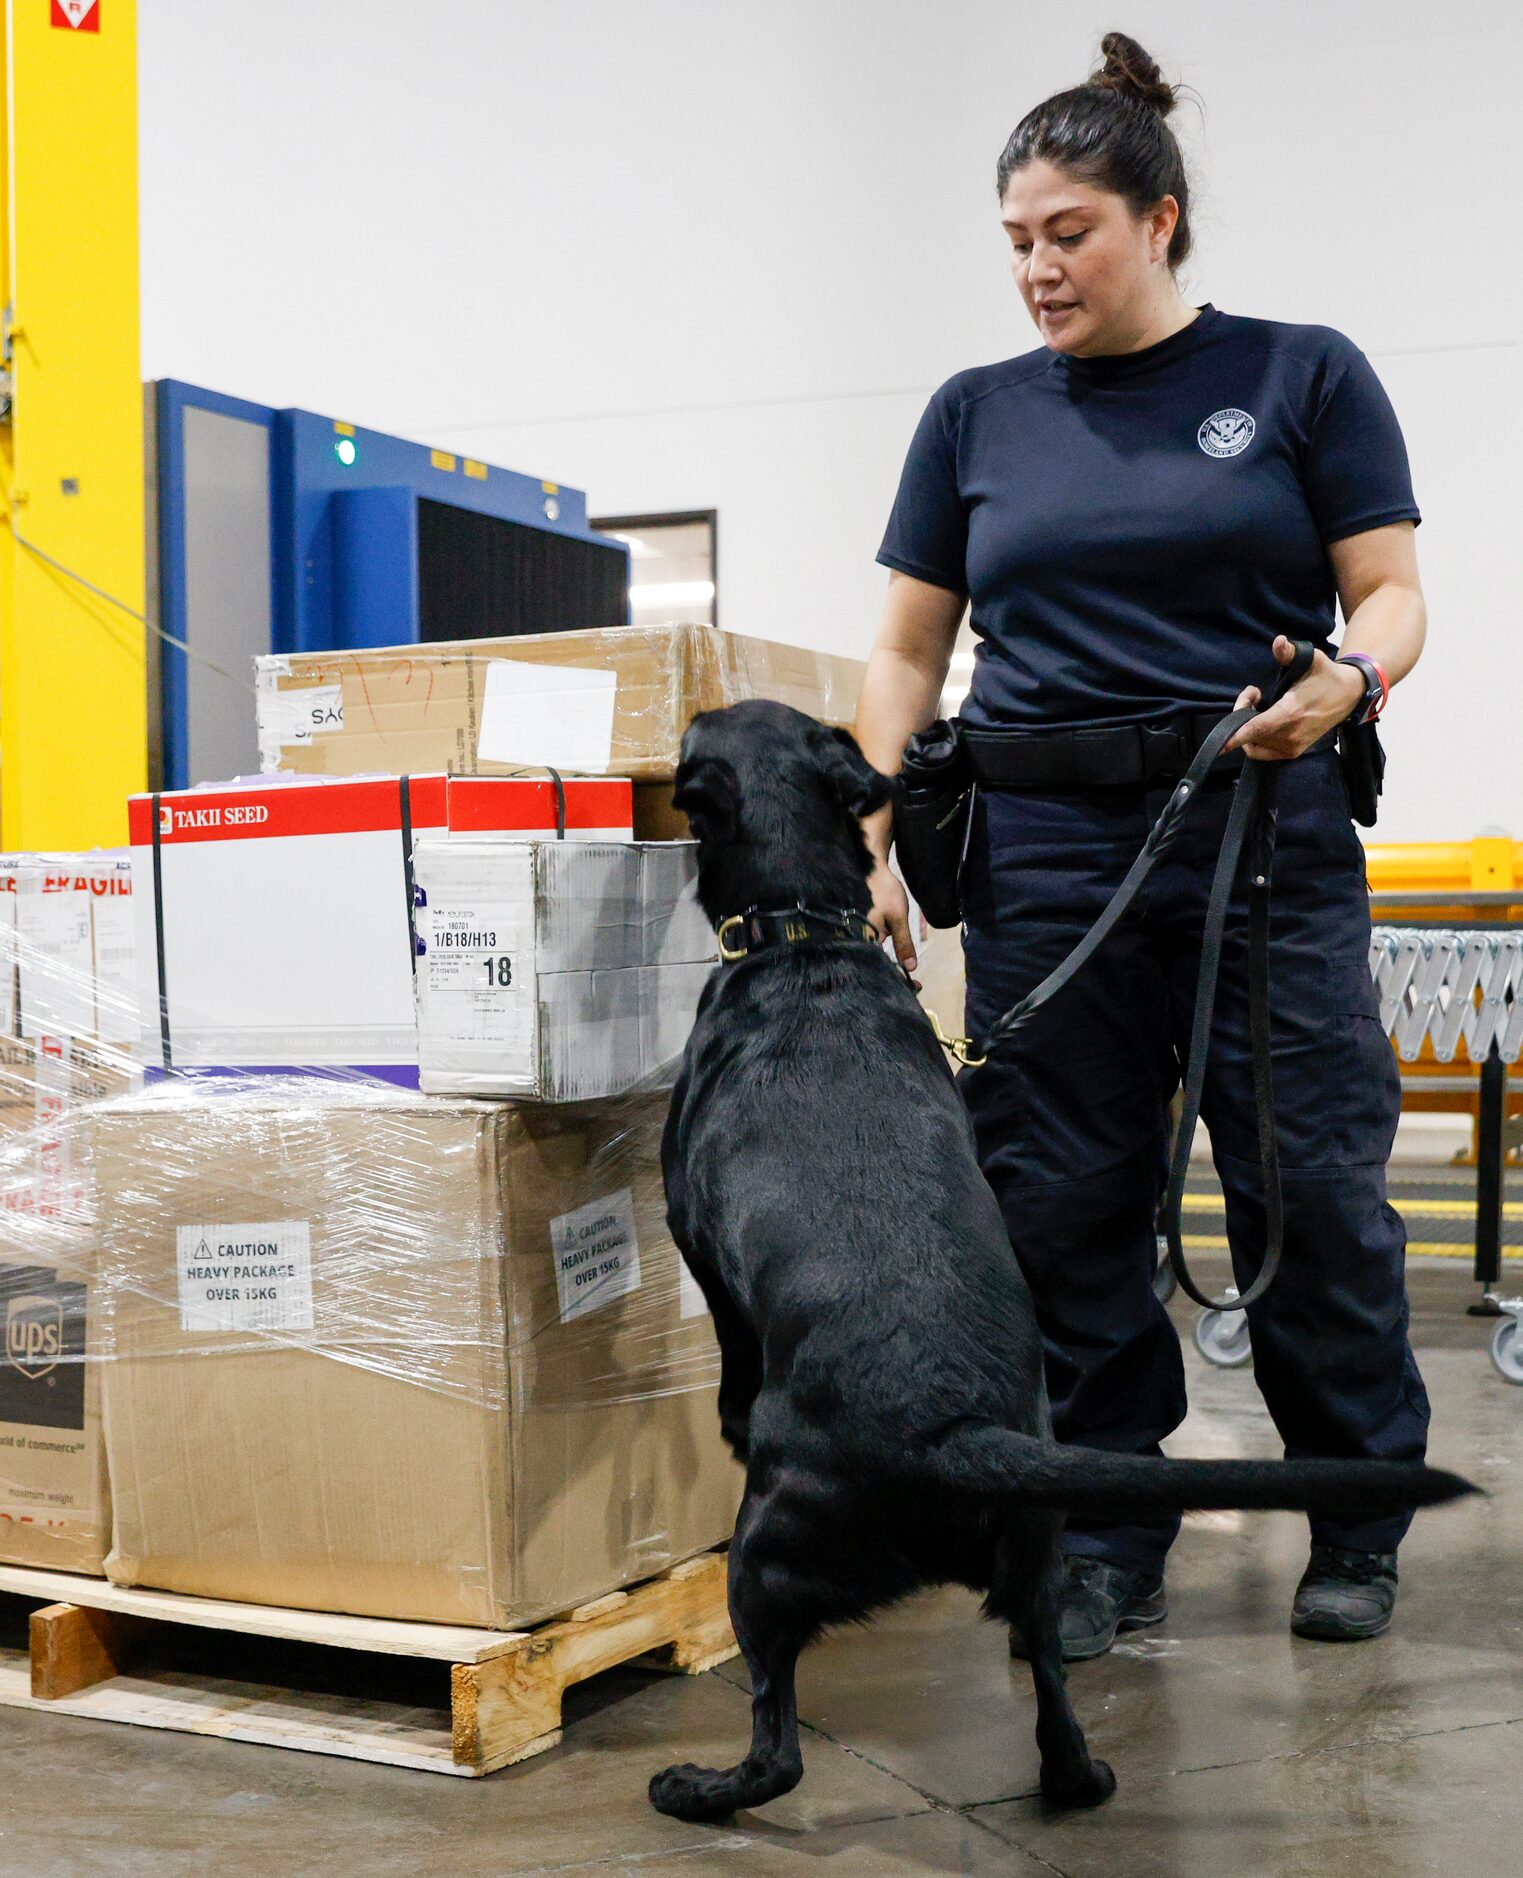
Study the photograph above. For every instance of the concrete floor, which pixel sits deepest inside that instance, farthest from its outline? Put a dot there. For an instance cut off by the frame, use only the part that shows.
(1238, 1749)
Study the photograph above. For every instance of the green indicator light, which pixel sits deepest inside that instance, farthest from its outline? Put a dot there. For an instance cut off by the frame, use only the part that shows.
(345, 451)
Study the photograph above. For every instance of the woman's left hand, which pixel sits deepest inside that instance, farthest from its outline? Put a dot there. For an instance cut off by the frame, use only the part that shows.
(1312, 707)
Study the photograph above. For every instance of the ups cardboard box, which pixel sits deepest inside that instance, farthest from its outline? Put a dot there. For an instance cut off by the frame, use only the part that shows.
(609, 702)
(54, 1504)
(400, 1356)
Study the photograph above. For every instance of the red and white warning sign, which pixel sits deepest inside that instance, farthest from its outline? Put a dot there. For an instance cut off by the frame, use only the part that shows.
(80, 16)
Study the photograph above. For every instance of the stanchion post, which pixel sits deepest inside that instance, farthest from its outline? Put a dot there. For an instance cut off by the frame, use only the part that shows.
(1489, 1130)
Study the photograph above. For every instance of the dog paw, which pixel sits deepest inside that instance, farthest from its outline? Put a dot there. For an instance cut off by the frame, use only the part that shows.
(1093, 1788)
(699, 1794)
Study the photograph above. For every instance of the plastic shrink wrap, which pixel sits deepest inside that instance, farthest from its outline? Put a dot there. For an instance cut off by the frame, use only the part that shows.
(315, 1340)
(65, 1022)
(399, 1355)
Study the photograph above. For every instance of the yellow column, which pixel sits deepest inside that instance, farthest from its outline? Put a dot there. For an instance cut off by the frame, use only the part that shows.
(73, 704)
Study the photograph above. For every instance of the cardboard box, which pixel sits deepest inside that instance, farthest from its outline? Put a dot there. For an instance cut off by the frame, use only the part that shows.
(274, 920)
(67, 946)
(54, 1504)
(466, 1381)
(612, 701)
(69, 1004)
(553, 970)
(942, 975)
(655, 817)
(44, 1089)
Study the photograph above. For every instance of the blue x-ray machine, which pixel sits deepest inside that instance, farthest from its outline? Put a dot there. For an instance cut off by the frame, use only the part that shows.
(284, 531)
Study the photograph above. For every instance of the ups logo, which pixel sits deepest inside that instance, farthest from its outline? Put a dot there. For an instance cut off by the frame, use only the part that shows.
(34, 1335)
(42, 1366)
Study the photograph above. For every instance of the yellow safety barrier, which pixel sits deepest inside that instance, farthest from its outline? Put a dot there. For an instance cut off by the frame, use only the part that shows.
(1489, 864)
(1447, 883)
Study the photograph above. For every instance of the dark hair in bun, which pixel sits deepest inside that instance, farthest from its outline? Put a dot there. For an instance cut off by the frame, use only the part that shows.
(1110, 133)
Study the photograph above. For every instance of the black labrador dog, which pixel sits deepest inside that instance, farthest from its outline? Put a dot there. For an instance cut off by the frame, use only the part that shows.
(882, 1368)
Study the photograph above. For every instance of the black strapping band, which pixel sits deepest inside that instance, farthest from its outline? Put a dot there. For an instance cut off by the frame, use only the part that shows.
(404, 789)
(560, 803)
(158, 935)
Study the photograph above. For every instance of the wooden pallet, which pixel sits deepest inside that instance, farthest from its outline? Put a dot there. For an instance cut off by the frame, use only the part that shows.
(502, 1703)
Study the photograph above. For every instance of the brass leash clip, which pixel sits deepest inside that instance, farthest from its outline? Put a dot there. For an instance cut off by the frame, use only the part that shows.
(960, 1047)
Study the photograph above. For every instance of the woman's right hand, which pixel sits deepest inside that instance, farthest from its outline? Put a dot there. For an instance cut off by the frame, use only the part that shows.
(890, 911)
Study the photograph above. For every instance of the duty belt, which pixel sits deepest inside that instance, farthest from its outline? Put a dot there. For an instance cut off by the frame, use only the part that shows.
(1116, 755)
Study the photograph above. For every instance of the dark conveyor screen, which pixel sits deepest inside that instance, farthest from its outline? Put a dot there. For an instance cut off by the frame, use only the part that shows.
(480, 577)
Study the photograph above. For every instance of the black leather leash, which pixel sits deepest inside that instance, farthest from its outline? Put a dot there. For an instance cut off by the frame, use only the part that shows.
(1251, 828)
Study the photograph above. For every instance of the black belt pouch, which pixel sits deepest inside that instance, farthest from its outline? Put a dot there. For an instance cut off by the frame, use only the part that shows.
(1364, 768)
(933, 818)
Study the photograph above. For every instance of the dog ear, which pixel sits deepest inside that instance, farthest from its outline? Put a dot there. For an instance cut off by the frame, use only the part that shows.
(857, 785)
(708, 794)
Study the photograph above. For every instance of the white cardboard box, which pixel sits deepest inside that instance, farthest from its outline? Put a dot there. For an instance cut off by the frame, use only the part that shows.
(68, 1002)
(555, 972)
(275, 917)
(66, 946)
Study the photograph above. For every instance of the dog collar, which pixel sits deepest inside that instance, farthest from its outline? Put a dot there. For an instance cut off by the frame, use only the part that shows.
(744, 933)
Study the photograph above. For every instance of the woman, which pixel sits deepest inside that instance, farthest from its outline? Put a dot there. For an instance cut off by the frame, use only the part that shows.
(1144, 512)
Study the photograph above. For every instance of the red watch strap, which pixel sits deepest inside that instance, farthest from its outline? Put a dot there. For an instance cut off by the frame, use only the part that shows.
(1363, 658)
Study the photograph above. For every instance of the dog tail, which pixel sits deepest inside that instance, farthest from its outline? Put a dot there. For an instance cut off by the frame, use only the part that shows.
(984, 1458)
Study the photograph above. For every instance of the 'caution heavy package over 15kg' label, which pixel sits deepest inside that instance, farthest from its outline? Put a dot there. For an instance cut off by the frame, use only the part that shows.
(245, 1277)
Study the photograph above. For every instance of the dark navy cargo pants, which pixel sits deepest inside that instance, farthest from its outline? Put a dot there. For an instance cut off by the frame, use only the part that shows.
(1071, 1122)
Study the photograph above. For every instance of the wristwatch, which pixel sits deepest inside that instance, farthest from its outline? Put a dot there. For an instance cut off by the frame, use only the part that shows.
(1377, 687)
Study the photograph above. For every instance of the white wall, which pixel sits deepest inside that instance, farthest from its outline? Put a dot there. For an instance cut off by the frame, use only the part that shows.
(714, 255)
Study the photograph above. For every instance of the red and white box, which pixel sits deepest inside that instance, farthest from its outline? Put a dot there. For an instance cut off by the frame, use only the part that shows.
(275, 926)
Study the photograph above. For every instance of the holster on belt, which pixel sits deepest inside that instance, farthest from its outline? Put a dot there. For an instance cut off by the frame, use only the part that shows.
(1364, 768)
(933, 818)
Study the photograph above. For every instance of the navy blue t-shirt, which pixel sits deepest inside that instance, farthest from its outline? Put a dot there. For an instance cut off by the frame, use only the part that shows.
(1133, 530)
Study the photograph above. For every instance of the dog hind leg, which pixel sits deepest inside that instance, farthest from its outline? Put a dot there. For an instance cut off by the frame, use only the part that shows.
(773, 1620)
(1026, 1592)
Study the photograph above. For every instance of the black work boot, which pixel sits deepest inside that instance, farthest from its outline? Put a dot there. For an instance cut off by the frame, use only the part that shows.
(1345, 1596)
(1098, 1601)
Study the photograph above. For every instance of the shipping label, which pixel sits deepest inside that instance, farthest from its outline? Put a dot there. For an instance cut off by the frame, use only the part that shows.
(312, 711)
(597, 1255)
(548, 714)
(245, 1277)
(481, 947)
(479, 979)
